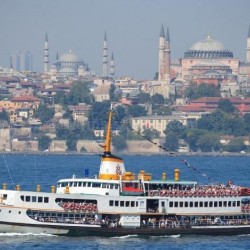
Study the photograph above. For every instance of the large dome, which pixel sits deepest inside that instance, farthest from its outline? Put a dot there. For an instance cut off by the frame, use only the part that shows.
(208, 44)
(69, 57)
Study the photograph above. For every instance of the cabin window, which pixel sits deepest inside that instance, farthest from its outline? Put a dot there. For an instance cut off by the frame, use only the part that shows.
(127, 203)
(196, 204)
(210, 204)
(201, 204)
(75, 184)
(171, 204)
(229, 204)
(70, 184)
(121, 203)
(33, 198)
(89, 184)
(111, 186)
(111, 203)
(116, 186)
(136, 204)
(234, 203)
(205, 204)
(27, 198)
(176, 204)
(22, 197)
(116, 203)
(132, 203)
(216, 204)
(238, 203)
(105, 185)
(224, 203)
(96, 185)
(79, 184)
(186, 204)
(40, 199)
(46, 199)
(191, 204)
(84, 184)
(181, 204)
(220, 203)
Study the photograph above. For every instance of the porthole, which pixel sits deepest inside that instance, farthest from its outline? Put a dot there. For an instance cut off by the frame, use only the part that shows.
(19, 212)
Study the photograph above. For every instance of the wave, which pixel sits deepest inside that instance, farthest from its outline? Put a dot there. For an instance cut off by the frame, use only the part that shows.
(25, 234)
(243, 235)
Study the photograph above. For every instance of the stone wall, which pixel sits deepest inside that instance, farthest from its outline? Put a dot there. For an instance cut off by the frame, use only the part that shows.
(24, 146)
(142, 147)
(5, 141)
(58, 146)
(88, 146)
(23, 131)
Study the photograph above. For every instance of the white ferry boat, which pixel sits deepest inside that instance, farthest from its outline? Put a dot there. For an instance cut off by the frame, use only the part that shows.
(118, 203)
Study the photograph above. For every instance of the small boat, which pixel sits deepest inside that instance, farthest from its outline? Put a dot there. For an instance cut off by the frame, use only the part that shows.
(118, 203)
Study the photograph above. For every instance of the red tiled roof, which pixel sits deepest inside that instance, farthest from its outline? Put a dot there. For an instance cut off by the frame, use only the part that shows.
(27, 98)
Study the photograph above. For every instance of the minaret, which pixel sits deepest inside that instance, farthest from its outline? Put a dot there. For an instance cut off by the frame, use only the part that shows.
(46, 55)
(112, 66)
(248, 45)
(105, 57)
(167, 56)
(161, 55)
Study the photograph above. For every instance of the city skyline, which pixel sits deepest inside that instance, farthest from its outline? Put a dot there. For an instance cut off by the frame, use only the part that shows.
(132, 28)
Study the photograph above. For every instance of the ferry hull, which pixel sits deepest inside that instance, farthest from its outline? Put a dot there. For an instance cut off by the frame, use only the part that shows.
(77, 231)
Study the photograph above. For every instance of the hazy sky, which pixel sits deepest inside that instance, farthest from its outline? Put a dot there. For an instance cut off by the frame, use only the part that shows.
(132, 27)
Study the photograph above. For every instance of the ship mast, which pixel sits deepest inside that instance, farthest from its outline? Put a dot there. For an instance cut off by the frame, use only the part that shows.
(107, 145)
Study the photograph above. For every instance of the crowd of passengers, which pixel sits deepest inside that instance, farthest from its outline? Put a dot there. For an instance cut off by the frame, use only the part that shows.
(185, 221)
(194, 191)
(78, 206)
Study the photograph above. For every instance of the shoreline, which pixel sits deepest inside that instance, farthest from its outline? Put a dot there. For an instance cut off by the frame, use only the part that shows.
(171, 154)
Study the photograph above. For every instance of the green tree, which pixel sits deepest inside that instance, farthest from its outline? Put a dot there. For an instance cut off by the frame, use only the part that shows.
(4, 116)
(79, 93)
(157, 99)
(44, 113)
(43, 142)
(60, 98)
(236, 145)
(208, 142)
(71, 143)
(195, 91)
(97, 117)
(226, 106)
(151, 133)
(143, 97)
(119, 143)
(171, 142)
(136, 111)
(62, 132)
(193, 136)
(177, 128)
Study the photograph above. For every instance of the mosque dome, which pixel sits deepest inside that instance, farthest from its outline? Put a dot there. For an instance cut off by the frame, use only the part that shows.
(208, 49)
(208, 44)
(69, 57)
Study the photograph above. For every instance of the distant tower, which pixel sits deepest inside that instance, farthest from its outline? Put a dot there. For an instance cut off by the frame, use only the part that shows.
(167, 56)
(112, 66)
(161, 55)
(105, 57)
(46, 55)
(57, 56)
(248, 45)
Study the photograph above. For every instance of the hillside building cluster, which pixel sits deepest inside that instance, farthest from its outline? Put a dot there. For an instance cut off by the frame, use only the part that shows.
(206, 61)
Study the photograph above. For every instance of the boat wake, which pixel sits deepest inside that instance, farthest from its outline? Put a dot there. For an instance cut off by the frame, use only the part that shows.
(167, 236)
(244, 235)
(25, 234)
(126, 236)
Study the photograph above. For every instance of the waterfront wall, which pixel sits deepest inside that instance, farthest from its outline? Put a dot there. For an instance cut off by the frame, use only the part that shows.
(24, 146)
(5, 141)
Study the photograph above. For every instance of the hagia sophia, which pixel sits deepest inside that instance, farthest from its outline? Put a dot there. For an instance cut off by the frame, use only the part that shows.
(207, 61)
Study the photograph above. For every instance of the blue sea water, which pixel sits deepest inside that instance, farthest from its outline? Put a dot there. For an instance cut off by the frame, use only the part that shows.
(30, 170)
